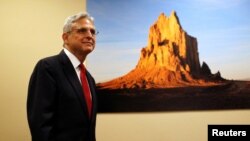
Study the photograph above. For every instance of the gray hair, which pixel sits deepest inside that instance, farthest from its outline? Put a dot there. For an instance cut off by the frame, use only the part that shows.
(71, 19)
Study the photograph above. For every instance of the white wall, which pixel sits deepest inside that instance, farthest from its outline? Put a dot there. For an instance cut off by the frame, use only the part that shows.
(29, 30)
(165, 126)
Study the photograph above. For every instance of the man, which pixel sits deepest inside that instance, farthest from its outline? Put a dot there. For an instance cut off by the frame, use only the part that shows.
(61, 104)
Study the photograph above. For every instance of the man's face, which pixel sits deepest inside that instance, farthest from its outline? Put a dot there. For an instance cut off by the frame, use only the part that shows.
(81, 39)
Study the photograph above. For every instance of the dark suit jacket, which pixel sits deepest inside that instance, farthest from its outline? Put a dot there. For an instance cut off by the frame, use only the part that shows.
(56, 107)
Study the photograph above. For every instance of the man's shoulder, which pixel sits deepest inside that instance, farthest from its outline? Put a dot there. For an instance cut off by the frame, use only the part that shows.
(50, 61)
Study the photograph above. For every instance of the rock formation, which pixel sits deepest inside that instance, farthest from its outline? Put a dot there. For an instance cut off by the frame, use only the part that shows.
(170, 59)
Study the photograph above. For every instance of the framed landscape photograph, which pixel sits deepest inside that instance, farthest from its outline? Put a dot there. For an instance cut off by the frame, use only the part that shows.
(160, 55)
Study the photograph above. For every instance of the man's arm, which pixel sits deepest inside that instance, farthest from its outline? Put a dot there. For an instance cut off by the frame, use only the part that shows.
(41, 102)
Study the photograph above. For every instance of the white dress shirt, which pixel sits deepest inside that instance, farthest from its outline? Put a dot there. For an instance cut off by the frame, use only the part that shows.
(75, 62)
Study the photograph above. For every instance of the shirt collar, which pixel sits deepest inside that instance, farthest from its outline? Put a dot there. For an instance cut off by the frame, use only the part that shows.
(73, 59)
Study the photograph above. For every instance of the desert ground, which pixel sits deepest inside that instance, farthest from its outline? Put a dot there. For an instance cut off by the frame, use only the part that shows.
(228, 95)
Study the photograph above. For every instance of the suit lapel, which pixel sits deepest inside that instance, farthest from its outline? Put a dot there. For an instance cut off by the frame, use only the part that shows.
(73, 79)
(93, 94)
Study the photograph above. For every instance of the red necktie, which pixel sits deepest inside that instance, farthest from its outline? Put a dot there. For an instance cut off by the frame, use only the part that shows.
(85, 87)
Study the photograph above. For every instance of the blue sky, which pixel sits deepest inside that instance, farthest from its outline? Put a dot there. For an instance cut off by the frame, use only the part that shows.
(222, 28)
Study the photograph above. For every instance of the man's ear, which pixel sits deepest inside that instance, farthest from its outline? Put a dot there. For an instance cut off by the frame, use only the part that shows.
(65, 37)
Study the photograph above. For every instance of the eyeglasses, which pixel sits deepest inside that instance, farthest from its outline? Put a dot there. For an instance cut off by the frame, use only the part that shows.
(84, 31)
